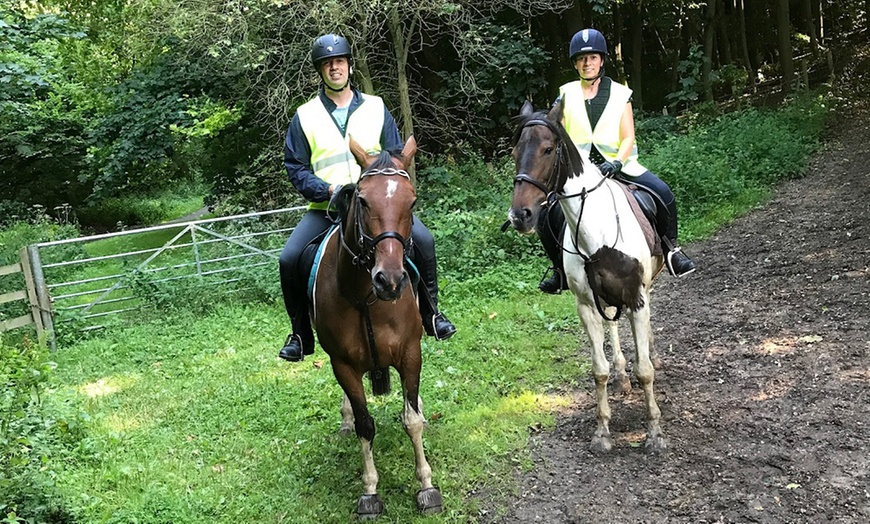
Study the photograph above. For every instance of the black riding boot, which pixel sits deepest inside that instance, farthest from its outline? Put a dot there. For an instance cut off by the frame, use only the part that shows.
(551, 226)
(434, 322)
(679, 264)
(301, 341)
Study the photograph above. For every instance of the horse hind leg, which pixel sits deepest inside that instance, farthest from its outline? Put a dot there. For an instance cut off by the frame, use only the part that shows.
(621, 382)
(645, 373)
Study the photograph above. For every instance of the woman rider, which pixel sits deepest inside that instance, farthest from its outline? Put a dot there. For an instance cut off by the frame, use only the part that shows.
(598, 117)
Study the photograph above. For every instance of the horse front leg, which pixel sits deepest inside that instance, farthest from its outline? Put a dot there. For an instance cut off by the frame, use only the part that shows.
(346, 417)
(645, 373)
(429, 497)
(602, 441)
(369, 505)
(622, 384)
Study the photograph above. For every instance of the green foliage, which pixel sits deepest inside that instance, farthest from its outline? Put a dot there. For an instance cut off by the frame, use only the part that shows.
(690, 86)
(736, 157)
(464, 205)
(42, 131)
(36, 436)
(30, 227)
(733, 78)
(144, 208)
(505, 67)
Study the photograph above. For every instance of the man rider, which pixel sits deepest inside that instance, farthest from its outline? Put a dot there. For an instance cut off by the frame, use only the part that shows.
(318, 161)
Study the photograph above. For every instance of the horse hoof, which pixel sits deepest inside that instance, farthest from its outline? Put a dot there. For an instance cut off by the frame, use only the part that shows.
(429, 501)
(655, 445)
(369, 507)
(344, 431)
(601, 445)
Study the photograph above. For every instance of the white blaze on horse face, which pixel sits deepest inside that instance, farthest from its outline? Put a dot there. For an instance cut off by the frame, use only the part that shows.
(392, 186)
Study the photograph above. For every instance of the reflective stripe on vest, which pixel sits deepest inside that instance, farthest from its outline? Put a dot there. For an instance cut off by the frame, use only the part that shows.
(331, 159)
(606, 133)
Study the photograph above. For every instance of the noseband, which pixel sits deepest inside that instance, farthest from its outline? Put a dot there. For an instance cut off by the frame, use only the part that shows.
(367, 243)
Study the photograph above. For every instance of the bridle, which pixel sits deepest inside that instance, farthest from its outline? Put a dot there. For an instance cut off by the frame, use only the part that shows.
(549, 187)
(367, 243)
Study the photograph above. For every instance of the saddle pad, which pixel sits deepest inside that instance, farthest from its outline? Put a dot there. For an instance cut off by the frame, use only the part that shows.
(652, 239)
(312, 277)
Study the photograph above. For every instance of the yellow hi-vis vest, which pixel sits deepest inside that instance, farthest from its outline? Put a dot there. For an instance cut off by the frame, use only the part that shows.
(605, 136)
(331, 159)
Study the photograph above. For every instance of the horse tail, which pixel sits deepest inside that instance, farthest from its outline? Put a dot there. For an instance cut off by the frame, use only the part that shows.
(380, 378)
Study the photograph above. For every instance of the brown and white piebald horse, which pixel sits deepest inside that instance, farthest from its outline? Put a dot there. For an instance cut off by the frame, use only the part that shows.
(609, 262)
(366, 314)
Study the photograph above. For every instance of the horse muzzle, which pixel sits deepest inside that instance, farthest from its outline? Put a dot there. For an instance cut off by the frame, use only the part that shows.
(523, 219)
(389, 284)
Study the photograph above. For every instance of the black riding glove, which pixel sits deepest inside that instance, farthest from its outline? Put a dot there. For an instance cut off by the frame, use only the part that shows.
(611, 168)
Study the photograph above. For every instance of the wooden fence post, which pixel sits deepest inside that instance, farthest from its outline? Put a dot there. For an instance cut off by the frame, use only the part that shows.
(37, 295)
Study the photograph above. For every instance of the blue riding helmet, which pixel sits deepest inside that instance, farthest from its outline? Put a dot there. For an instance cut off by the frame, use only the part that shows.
(329, 46)
(587, 41)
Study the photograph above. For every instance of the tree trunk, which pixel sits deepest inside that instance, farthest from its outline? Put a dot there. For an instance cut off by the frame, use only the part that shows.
(722, 39)
(362, 74)
(401, 44)
(786, 62)
(811, 26)
(675, 51)
(637, 53)
(741, 34)
(617, 46)
(709, 40)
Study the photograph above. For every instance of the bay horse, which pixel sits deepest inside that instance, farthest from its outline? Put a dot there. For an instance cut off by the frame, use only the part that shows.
(609, 262)
(365, 312)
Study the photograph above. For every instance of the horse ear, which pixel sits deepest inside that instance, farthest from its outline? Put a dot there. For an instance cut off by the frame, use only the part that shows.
(527, 109)
(555, 114)
(341, 200)
(362, 158)
(409, 150)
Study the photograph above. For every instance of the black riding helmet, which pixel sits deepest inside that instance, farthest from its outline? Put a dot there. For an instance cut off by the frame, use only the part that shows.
(329, 46)
(588, 41)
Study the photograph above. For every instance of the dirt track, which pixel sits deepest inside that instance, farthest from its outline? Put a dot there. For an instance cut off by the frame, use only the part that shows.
(765, 376)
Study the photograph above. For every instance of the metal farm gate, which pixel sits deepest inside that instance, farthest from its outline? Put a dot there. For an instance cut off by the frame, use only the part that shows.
(89, 282)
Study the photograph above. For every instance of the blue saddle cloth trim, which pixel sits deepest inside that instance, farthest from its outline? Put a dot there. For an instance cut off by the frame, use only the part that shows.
(312, 277)
(414, 273)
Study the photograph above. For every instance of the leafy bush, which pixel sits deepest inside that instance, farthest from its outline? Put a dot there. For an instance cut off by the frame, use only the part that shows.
(738, 156)
(505, 66)
(35, 438)
(465, 204)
